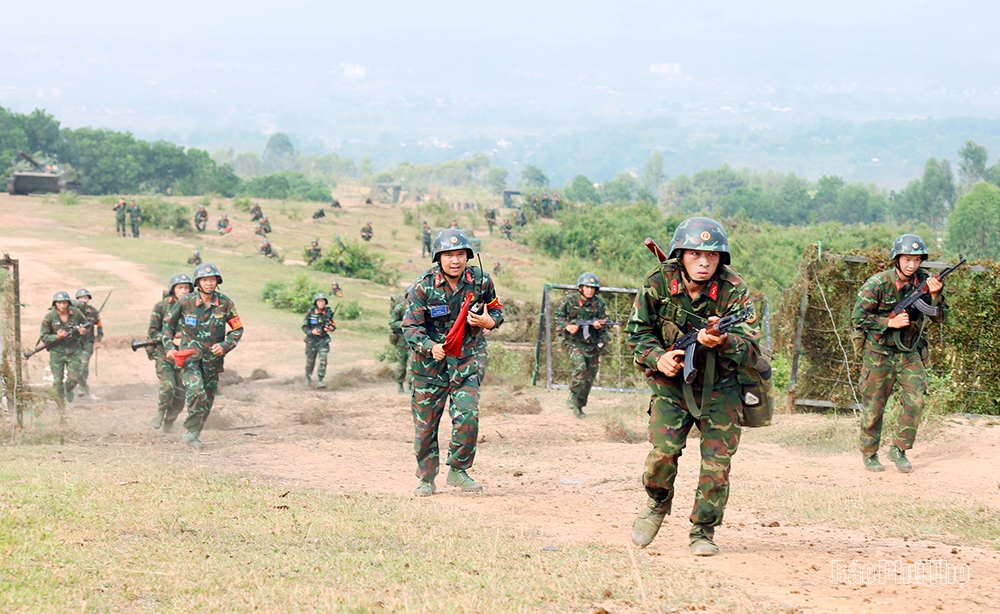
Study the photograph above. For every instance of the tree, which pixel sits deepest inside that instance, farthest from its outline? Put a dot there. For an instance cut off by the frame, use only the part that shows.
(972, 167)
(278, 151)
(365, 170)
(652, 172)
(533, 177)
(974, 225)
(582, 190)
(824, 202)
(497, 178)
(622, 188)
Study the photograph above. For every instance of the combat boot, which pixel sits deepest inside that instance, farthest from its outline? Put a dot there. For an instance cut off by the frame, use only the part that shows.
(872, 463)
(158, 419)
(701, 541)
(168, 426)
(319, 383)
(647, 525)
(399, 388)
(461, 479)
(898, 456)
(192, 440)
(309, 381)
(426, 488)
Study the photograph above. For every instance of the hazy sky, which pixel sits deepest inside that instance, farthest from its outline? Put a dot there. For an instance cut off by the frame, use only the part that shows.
(557, 21)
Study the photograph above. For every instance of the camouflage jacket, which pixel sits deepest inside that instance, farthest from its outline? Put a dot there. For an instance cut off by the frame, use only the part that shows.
(95, 332)
(663, 311)
(51, 323)
(120, 209)
(396, 315)
(318, 318)
(876, 299)
(432, 309)
(135, 214)
(201, 215)
(155, 329)
(576, 308)
(202, 325)
(315, 253)
(426, 234)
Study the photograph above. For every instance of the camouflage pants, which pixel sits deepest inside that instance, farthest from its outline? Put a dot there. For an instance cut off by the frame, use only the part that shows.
(86, 351)
(201, 224)
(402, 358)
(428, 403)
(669, 425)
(482, 363)
(425, 249)
(120, 227)
(201, 382)
(65, 366)
(584, 372)
(879, 373)
(135, 228)
(314, 351)
(172, 393)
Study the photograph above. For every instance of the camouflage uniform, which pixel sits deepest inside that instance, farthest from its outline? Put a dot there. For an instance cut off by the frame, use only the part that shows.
(135, 218)
(94, 333)
(315, 252)
(664, 311)
(584, 355)
(491, 218)
(202, 325)
(891, 357)
(317, 346)
(482, 356)
(432, 310)
(64, 357)
(396, 313)
(170, 401)
(506, 229)
(367, 233)
(120, 210)
(201, 219)
(425, 248)
(256, 213)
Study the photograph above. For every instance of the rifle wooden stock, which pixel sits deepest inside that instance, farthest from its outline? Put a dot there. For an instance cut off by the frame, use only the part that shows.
(653, 247)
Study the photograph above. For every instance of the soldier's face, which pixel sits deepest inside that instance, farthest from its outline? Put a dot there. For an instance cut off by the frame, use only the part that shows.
(62, 306)
(909, 264)
(182, 290)
(84, 299)
(208, 284)
(453, 262)
(587, 291)
(700, 266)
(321, 303)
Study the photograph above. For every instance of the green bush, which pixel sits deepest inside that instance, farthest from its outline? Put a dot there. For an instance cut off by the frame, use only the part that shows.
(285, 185)
(350, 310)
(297, 297)
(159, 213)
(69, 198)
(358, 261)
(242, 203)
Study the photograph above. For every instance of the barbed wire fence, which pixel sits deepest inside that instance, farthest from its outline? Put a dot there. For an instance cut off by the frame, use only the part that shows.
(814, 326)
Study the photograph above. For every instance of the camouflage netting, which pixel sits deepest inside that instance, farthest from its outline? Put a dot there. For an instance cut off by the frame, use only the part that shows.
(965, 348)
(9, 387)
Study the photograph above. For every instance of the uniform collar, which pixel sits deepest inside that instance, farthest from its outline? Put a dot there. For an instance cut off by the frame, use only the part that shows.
(440, 279)
(677, 286)
(214, 302)
(900, 284)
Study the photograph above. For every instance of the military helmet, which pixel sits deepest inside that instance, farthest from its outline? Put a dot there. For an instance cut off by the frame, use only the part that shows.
(207, 270)
(180, 278)
(82, 292)
(908, 245)
(195, 253)
(700, 233)
(320, 295)
(588, 279)
(450, 239)
(315, 241)
(60, 296)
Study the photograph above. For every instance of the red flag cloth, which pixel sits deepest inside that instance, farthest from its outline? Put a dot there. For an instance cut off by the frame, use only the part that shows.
(453, 340)
(181, 355)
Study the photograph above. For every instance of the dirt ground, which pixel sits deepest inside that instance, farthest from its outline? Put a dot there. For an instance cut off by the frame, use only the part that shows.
(547, 471)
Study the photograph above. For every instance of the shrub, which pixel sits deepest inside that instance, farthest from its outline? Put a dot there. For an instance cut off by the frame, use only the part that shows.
(159, 213)
(350, 310)
(357, 261)
(242, 203)
(298, 297)
(69, 198)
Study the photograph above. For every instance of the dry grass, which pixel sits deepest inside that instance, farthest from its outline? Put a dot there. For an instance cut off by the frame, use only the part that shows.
(501, 402)
(616, 430)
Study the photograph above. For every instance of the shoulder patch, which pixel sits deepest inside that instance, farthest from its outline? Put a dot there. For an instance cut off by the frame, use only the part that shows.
(753, 311)
(713, 291)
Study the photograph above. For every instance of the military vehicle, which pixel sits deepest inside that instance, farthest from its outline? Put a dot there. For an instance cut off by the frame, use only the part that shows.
(41, 179)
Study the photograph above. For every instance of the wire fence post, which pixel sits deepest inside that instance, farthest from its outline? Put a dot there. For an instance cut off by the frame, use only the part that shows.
(797, 346)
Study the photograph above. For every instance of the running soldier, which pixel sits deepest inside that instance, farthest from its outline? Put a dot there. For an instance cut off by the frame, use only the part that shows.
(582, 318)
(201, 219)
(317, 325)
(441, 330)
(506, 229)
(90, 341)
(397, 309)
(67, 325)
(491, 218)
(314, 252)
(895, 348)
(201, 317)
(170, 402)
(690, 290)
(120, 210)
(135, 218)
(425, 249)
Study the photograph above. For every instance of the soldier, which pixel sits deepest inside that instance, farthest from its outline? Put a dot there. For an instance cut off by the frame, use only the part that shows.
(67, 323)
(453, 224)
(693, 288)
(546, 208)
(441, 330)
(201, 218)
(314, 251)
(266, 250)
(135, 218)
(263, 227)
(506, 229)
(491, 218)
(521, 219)
(893, 349)
(318, 215)
(397, 309)
(497, 269)
(201, 318)
(425, 249)
(255, 212)
(120, 210)
(90, 341)
(171, 397)
(335, 289)
(195, 258)
(367, 232)
(336, 204)
(223, 224)
(317, 325)
(585, 341)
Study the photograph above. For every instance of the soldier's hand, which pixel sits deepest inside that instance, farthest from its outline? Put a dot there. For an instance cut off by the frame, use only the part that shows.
(170, 354)
(900, 321)
(670, 363)
(598, 324)
(81, 329)
(97, 345)
(572, 328)
(482, 320)
(934, 286)
(61, 334)
(217, 350)
(316, 331)
(437, 351)
(711, 341)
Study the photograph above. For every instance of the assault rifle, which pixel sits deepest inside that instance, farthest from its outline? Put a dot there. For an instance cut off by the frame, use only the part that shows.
(136, 344)
(72, 332)
(689, 343)
(915, 299)
(585, 325)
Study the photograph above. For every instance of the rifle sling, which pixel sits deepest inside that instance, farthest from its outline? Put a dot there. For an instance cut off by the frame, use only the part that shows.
(706, 392)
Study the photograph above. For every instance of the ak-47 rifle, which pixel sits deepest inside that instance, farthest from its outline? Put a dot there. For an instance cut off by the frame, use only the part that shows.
(585, 325)
(328, 327)
(915, 299)
(72, 332)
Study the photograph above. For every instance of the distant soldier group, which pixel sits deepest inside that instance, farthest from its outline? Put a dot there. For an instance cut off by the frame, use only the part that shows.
(134, 213)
